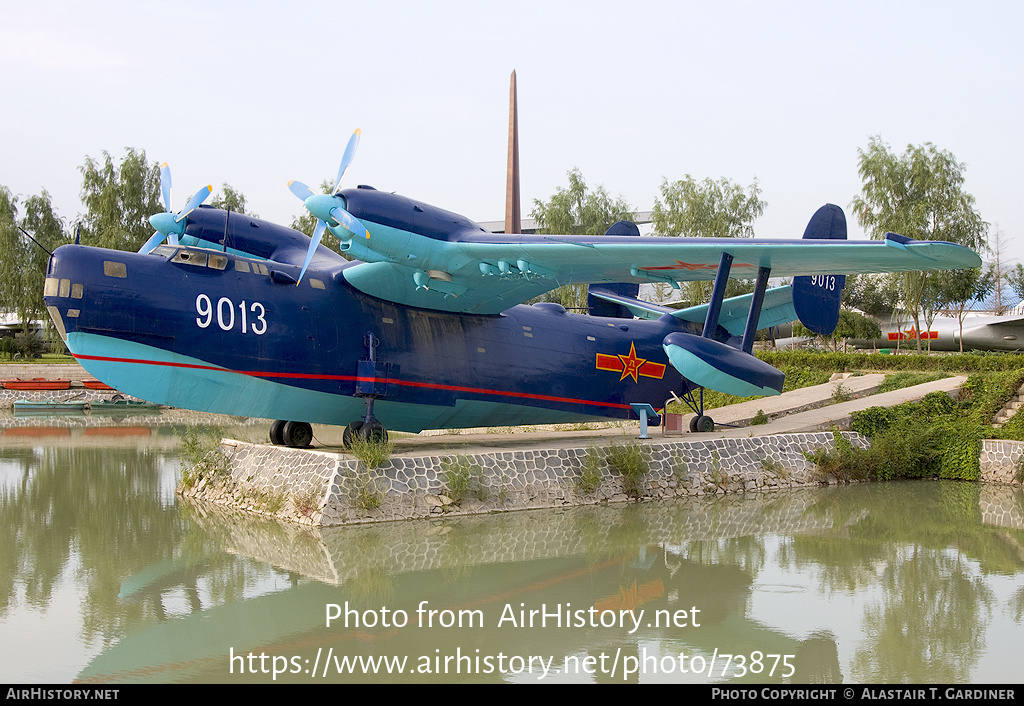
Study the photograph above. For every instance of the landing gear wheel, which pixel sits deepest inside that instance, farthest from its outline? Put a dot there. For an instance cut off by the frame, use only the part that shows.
(374, 432)
(297, 434)
(277, 433)
(693, 424)
(350, 433)
(705, 424)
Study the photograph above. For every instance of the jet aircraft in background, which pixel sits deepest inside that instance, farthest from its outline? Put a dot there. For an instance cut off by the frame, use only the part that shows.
(980, 333)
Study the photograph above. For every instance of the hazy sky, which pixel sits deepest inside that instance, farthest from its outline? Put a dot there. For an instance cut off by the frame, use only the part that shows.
(257, 93)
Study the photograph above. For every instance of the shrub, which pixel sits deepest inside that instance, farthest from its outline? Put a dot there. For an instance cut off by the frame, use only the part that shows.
(200, 454)
(844, 462)
(463, 477)
(841, 393)
(591, 476)
(629, 460)
(903, 451)
(366, 492)
(371, 452)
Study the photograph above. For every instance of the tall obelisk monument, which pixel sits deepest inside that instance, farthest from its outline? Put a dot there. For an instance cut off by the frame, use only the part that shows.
(513, 217)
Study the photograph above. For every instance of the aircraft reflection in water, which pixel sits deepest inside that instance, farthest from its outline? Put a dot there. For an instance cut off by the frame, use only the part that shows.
(475, 600)
(240, 316)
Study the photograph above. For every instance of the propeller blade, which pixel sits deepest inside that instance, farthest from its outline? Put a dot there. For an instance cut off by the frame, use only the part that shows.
(165, 185)
(318, 233)
(300, 189)
(154, 240)
(194, 203)
(350, 151)
(350, 222)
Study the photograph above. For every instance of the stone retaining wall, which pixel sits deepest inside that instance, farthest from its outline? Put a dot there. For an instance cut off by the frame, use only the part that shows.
(999, 460)
(324, 488)
(78, 394)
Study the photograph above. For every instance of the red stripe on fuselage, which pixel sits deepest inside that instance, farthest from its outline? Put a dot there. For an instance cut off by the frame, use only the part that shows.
(356, 378)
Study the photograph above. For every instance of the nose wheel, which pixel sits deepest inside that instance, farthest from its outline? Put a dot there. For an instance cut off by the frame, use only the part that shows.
(298, 435)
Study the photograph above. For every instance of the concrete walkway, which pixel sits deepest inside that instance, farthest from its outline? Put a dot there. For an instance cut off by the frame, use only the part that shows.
(824, 418)
(806, 398)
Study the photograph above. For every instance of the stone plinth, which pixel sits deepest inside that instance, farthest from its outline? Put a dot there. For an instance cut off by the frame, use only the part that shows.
(325, 488)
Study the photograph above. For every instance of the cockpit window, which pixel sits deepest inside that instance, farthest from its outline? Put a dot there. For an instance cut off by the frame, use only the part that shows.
(218, 262)
(165, 250)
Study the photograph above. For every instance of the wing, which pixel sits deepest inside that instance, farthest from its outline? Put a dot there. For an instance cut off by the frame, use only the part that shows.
(486, 273)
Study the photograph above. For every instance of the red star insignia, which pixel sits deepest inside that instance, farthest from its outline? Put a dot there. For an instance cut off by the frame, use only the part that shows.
(693, 266)
(631, 364)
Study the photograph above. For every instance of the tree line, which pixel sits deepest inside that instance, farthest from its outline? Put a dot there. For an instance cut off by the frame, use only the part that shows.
(918, 193)
(118, 197)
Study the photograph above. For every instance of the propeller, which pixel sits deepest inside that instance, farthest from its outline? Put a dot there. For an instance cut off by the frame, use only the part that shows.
(329, 208)
(170, 225)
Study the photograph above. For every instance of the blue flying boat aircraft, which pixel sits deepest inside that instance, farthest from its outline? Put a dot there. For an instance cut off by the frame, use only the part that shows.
(427, 328)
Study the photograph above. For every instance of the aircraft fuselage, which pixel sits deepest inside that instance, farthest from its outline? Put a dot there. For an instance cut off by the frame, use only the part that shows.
(215, 331)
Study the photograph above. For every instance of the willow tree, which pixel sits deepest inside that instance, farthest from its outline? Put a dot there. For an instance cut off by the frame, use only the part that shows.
(229, 199)
(578, 210)
(13, 247)
(918, 194)
(119, 199)
(707, 209)
(40, 221)
(23, 265)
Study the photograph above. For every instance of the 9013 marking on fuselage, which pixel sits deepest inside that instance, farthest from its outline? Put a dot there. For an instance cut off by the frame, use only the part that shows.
(224, 312)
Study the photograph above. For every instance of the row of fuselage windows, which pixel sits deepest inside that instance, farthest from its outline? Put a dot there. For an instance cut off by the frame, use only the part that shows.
(213, 260)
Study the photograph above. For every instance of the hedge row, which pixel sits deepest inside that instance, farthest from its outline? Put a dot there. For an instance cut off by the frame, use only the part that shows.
(938, 436)
(976, 362)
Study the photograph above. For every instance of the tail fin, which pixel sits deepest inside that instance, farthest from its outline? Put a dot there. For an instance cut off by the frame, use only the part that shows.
(601, 307)
(816, 298)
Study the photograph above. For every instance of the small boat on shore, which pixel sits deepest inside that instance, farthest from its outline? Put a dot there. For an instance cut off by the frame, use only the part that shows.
(49, 406)
(35, 384)
(94, 384)
(123, 405)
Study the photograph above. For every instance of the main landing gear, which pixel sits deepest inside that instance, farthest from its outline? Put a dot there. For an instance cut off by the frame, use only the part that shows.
(700, 422)
(367, 387)
(297, 435)
(371, 383)
(372, 431)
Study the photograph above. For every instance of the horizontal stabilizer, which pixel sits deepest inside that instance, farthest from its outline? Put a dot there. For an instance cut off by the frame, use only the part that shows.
(776, 310)
(638, 308)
